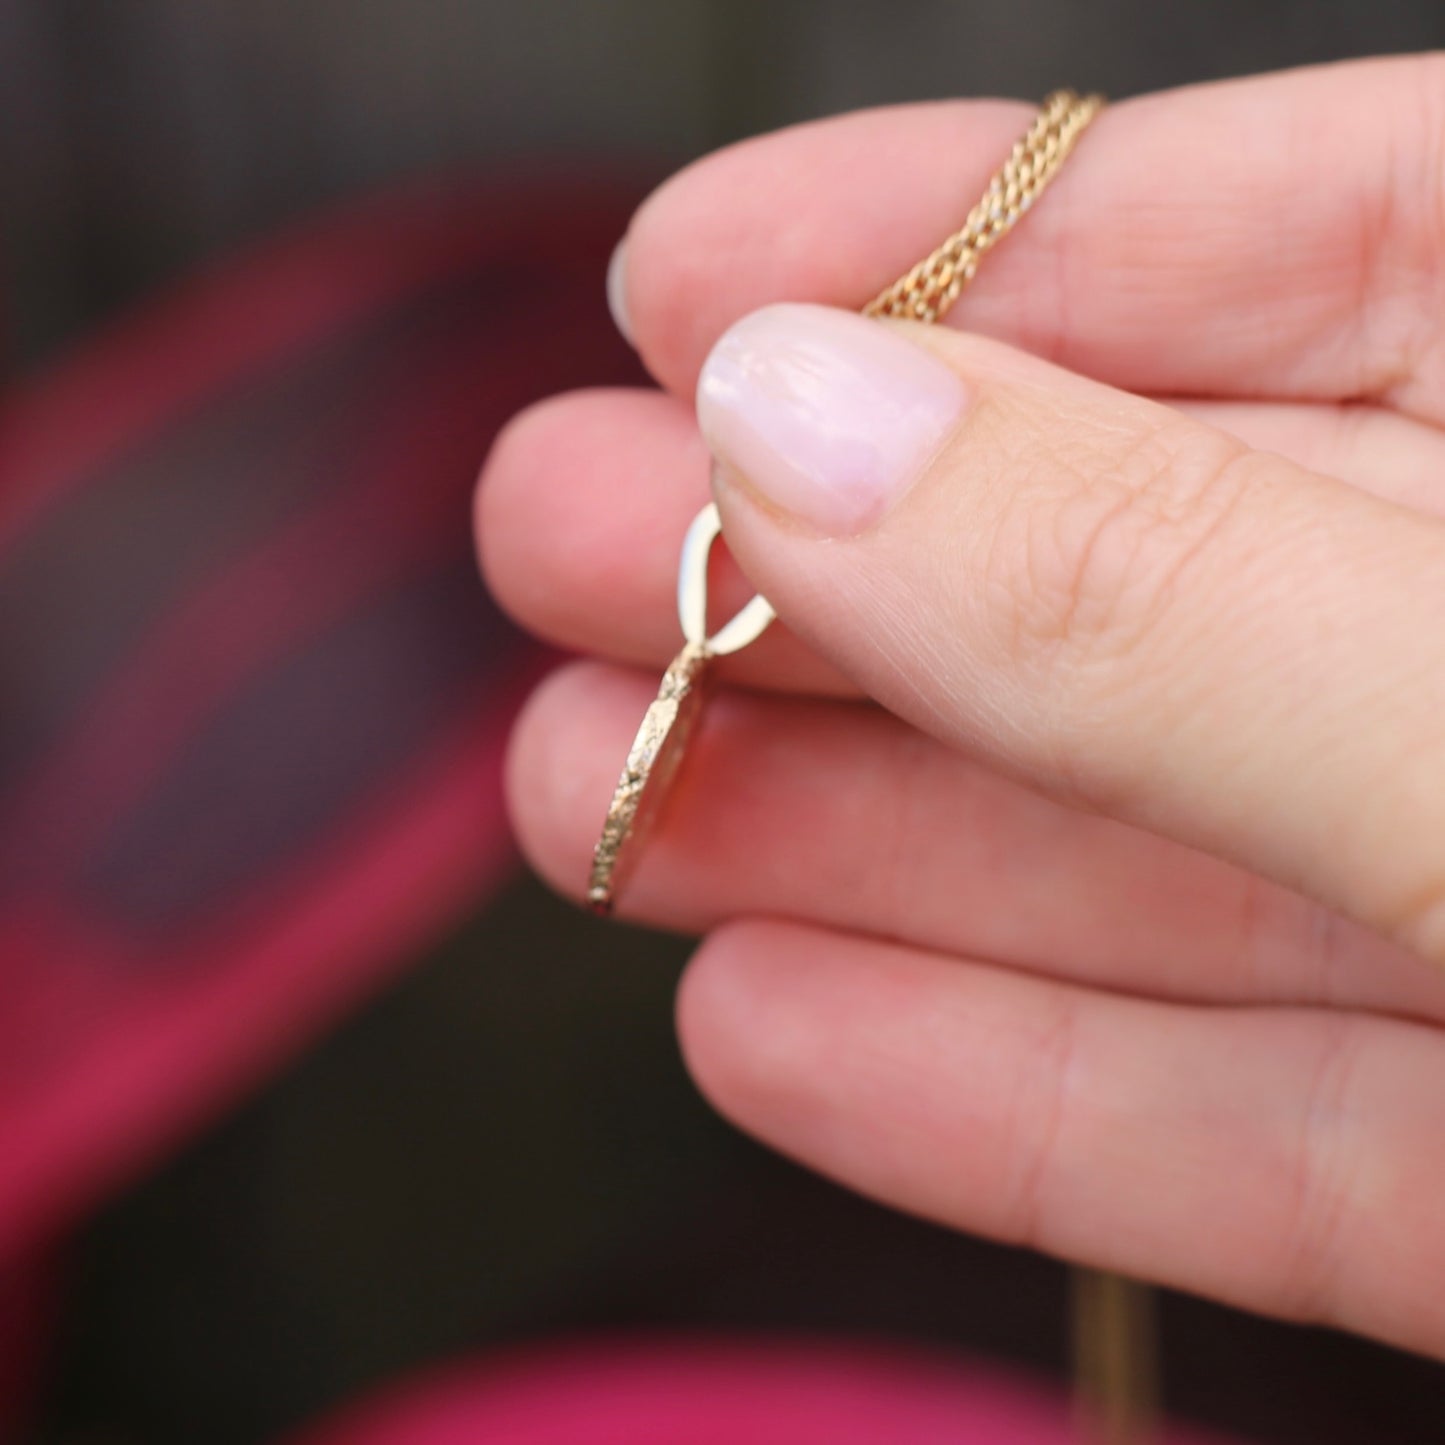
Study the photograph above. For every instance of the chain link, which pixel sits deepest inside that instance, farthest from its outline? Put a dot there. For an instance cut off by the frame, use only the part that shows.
(934, 284)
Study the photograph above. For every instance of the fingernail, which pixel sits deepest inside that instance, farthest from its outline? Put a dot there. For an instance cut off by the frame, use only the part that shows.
(828, 415)
(617, 291)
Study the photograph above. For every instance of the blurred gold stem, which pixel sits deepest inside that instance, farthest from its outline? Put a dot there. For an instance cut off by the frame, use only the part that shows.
(1116, 1372)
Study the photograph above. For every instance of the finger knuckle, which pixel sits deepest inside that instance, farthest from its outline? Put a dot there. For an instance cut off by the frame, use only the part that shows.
(1320, 1213)
(1418, 919)
(1401, 283)
(1043, 1125)
(1091, 554)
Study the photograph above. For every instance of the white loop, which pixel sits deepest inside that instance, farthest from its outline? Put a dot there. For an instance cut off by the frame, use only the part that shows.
(750, 622)
(692, 574)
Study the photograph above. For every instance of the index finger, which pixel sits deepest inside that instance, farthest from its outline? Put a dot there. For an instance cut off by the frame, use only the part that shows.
(1279, 236)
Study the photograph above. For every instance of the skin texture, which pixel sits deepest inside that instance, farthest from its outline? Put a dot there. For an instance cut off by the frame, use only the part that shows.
(1072, 868)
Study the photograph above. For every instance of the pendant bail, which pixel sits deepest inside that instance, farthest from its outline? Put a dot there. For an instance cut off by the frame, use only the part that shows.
(750, 622)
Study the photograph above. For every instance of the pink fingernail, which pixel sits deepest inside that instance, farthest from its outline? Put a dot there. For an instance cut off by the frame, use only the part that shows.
(828, 415)
(617, 291)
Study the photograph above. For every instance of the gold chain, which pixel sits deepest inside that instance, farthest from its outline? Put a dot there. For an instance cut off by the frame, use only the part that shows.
(1114, 1370)
(933, 285)
(924, 294)
(1115, 1367)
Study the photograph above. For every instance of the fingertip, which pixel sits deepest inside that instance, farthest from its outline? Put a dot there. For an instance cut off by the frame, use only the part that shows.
(667, 284)
(550, 550)
(509, 489)
(753, 1014)
(552, 783)
(724, 1027)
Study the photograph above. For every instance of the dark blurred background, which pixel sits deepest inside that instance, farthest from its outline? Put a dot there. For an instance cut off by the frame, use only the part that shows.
(142, 136)
(500, 1145)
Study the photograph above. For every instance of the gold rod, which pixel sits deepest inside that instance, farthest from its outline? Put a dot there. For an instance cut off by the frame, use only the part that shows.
(1116, 1369)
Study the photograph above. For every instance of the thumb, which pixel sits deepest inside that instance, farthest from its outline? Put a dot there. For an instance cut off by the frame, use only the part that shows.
(1128, 608)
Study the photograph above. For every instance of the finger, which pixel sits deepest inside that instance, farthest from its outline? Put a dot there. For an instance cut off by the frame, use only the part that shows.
(885, 831)
(1126, 606)
(1390, 456)
(580, 516)
(585, 499)
(1279, 235)
(1288, 1161)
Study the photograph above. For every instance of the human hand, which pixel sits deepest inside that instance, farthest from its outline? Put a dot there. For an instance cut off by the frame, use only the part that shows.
(1146, 667)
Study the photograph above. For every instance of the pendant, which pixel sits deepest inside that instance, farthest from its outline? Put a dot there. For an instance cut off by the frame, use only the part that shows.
(670, 723)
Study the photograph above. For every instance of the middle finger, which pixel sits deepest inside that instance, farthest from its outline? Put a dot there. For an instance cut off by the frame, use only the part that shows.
(586, 497)
(872, 827)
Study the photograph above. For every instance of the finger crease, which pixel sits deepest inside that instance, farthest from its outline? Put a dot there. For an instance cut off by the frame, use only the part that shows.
(1321, 1193)
(1040, 1141)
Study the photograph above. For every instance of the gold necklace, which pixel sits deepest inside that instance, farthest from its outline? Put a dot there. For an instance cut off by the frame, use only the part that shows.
(1112, 1318)
(923, 294)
